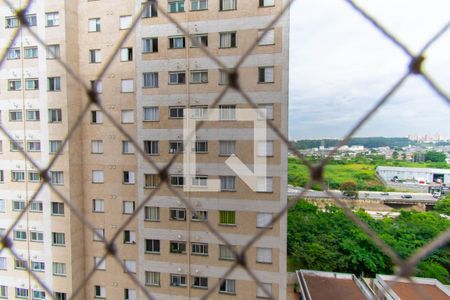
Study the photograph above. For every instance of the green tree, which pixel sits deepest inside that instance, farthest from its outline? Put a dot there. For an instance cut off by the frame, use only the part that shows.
(349, 188)
(443, 205)
(435, 156)
(395, 155)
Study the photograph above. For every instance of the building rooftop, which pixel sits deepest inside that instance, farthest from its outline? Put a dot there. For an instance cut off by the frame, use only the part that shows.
(419, 170)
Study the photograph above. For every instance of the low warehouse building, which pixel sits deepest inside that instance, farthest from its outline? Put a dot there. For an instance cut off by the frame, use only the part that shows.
(418, 175)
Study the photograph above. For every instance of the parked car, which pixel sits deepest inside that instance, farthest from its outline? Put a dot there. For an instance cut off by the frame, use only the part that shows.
(406, 196)
(384, 194)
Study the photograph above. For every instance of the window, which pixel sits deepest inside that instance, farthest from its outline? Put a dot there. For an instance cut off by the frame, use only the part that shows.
(268, 38)
(152, 246)
(201, 147)
(176, 112)
(38, 295)
(151, 213)
(223, 77)
(151, 147)
(226, 252)
(59, 269)
(17, 176)
(260, 293)
(58, 239)
(129, 294)
(177, 42)
(21, 293)
(18, 205)
(60, 296)
(57, 177)
(95, 56)
(57, 208)
(265, 75)
(150, 45)
(20, 264)
(199, 282)
(151, 113)
(228, 39)
(51, 19)
(126, 54)
(31, 20)
(174, 6)
(3, 291)
(125, 22)
(227, 112)
(177, 180)
(127, 147)
(99, 291)
(227, 217)
(96, 146)
(54, 115)
(98, 205)
(2, 205)
(178, 247)
(264, 3)
(178, 214)
(30, 52)
(130, 266)
(14, 85)
(54, 84)
(264, 184)
(96, 85)
(129, 237)
(227, 4)
(16, 146)
(152, 278)
(31, 84)
(265, 148)
(94, 25)
(128, 207)
(98, 176)
(227, 183)
(20, 235)
(38, 266)
(54, 146)
(264, 255)
(177, 77)
(199, 4)
(199, 39)
(266, 111)
(13, 53)
(2, 177)
(199, 76)
(150, 11)
(199, 112)
(227, 147)
(36, 206)
(127, 116)
(151, 80)
(176, 147)
(99, 234)
(152, 180)
(128, 177)
(199, 215)
(177, 280)
(15, 115)
(3, 263)
(33, 115)
(199, 249)
(37, 236)
(96, 117)
(126, 86)
(228, 286)
(34, 146)
(99, 264)
(53, 51)
(200, 181)
(11, 22)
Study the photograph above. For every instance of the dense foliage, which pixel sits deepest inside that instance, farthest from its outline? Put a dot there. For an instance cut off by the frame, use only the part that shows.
(435, 156)
(327, 240)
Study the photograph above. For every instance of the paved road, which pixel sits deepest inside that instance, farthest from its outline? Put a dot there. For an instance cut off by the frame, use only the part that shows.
(391, 196)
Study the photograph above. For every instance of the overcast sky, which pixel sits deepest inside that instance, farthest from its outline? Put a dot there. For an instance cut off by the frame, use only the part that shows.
(340, 65)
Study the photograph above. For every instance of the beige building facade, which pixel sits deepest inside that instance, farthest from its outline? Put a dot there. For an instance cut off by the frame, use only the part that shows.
(157, 77)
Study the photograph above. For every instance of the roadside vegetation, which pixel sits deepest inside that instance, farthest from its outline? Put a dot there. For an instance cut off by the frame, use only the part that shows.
(327, 240)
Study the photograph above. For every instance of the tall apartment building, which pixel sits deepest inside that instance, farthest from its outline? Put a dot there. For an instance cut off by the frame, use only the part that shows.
(158, 74)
